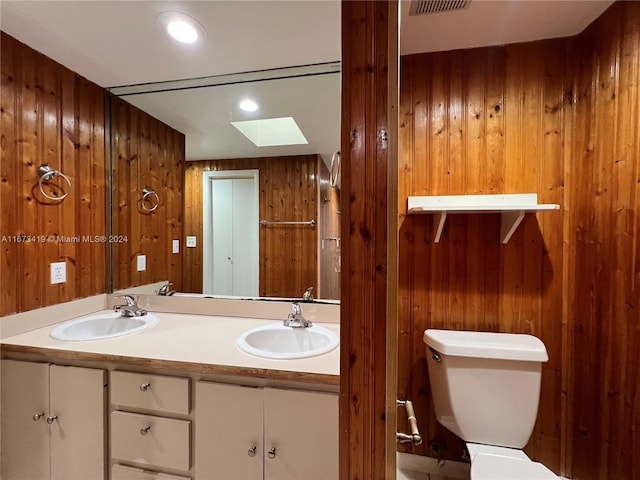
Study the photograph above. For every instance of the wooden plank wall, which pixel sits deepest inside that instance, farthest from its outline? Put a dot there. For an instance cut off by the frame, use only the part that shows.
(603, 245)
(288, 192)
(49, 115)
(558, 118)
(146, 154)
(368, 226)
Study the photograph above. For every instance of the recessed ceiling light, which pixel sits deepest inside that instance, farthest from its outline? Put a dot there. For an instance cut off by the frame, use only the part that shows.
(272, 132)
(181, 26)
(248, 105)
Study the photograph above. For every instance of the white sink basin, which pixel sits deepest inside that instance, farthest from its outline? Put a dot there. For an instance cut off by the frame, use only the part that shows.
(97, 327)
(283, 343)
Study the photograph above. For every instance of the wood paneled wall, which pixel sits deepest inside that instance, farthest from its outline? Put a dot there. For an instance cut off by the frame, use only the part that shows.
(603, 249)
(146, 153)
(558, 118)
(369, 228)
(288, 192)
(472, 122)
(49, 115)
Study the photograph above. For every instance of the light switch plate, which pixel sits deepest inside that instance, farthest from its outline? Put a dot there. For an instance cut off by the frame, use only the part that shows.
(142, 263)
(58, 272)
(176, 246)
(191, 241)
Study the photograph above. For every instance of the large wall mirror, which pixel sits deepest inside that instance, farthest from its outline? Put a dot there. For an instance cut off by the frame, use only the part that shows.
(177, 130)
(255, 210)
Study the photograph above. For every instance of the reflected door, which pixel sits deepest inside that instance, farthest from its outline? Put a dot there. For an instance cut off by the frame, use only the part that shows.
(234, 239)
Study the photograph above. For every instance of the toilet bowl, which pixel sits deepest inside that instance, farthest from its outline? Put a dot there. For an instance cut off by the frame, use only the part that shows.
(486, 388)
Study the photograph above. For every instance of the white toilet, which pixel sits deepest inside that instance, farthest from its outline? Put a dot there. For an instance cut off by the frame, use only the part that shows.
(486, 388)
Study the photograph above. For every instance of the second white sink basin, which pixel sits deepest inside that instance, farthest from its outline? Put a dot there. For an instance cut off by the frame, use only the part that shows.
(282, 343)
(97, 327)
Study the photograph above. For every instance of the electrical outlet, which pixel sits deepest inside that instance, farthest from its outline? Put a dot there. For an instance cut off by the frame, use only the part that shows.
(176, 246)
(191, 241)
(142, 263)
(58, 272)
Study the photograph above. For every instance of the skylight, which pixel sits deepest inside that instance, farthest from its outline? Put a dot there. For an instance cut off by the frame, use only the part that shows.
(272, 132)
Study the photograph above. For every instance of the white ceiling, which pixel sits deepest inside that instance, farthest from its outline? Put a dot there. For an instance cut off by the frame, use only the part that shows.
(496, 22)
(204, 115)
(119, 43)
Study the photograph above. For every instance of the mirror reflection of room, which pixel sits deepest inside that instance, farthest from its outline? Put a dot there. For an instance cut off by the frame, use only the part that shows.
(261, 203)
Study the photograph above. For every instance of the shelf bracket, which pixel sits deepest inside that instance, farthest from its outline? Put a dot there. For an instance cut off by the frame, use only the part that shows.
(509, 221)
(438, 222)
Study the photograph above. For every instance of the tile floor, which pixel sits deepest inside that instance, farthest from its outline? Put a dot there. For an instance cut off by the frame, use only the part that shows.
(415, 467)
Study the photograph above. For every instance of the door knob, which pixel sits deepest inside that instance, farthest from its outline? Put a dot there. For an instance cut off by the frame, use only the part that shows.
(144, 430)
(272, 453)
(51, 419)
(37, 416)
(252, 451)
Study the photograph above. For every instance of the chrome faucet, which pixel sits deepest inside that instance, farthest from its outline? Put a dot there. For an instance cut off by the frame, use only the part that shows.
(165, 290)
(307, 296)
(295, 318)
(130, 307)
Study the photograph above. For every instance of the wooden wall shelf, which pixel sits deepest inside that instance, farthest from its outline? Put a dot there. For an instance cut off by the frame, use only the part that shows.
(512, 207)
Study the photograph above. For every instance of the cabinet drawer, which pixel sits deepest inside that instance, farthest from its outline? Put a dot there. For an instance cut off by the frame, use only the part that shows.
(150, 392)
(120, 472)
(165, 443)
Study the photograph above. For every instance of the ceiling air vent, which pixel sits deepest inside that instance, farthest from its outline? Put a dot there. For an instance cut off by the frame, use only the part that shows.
(421, 7)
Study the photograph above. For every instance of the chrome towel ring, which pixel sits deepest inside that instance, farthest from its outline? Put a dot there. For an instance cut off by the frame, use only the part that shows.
(150, 200)
(46, 174)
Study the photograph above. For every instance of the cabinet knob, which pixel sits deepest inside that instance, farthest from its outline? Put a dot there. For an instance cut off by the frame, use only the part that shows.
(37, 416)
(252, 451)
(144, 430)
(272, 453)
(144, 387)
(51, 419)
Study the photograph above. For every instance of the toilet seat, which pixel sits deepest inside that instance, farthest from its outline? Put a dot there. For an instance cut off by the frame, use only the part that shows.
(497, 467)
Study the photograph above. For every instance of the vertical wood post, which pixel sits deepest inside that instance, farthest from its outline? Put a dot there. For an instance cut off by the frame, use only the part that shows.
(369, 230)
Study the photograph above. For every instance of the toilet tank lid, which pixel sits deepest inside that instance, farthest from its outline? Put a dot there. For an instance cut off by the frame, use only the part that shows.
(503, 346)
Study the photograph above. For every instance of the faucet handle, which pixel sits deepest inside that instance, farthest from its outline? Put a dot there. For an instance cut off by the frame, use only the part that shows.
(129, 300)
(295, 318)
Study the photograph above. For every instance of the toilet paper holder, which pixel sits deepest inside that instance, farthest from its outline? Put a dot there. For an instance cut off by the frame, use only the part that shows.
(414, 437)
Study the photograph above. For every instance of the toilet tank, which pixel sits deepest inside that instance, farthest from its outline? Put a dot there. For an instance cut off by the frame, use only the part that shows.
(485, 386)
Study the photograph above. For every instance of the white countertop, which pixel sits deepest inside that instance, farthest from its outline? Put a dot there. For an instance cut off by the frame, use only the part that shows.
(185, 338)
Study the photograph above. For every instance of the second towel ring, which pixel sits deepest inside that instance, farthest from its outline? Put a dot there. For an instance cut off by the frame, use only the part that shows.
(151, 197)
(46, 174)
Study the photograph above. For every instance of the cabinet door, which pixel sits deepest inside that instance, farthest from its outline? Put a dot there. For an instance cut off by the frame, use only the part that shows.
(77, 435)
(25, 441)
(228, 432)
(302, 427)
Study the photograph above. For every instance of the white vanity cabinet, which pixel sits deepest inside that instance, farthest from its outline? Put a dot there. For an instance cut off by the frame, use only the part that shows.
(229, 443)
(265, 433)
(150, 425)
(53, 421)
